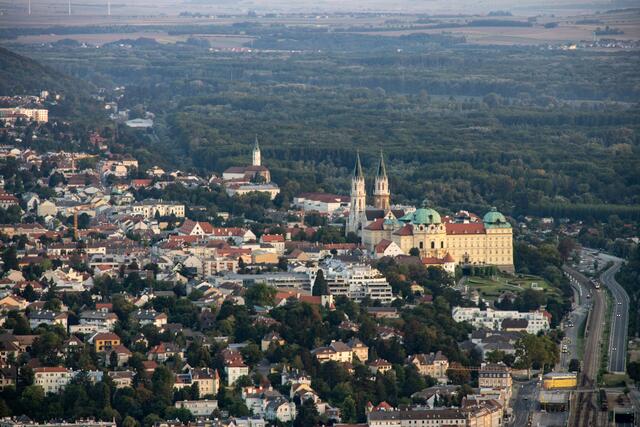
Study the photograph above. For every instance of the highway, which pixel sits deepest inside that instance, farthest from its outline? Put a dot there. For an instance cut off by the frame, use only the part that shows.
(584, 405)
(619, 319)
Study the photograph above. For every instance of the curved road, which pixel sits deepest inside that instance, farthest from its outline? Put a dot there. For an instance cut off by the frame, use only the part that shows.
(583, 405)
(619, 319)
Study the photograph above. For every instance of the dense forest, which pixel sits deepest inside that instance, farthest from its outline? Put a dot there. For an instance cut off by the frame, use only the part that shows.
(522, 128)
(20, 75)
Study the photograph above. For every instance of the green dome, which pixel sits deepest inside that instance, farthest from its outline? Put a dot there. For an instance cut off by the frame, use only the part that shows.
(493, 217)
(423, 216)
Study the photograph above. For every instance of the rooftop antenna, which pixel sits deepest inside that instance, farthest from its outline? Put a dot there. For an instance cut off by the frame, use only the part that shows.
(69, 7)
(29, 7)
(108, 8)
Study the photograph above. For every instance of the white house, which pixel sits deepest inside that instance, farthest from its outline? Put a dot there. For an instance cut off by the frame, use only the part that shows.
(492, 319)
(199, 408)
(52, 379)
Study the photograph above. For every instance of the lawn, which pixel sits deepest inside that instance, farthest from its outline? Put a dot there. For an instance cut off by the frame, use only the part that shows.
(490, 288)
(614, 380)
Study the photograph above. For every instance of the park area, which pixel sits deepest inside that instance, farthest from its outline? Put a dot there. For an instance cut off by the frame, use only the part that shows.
(491, 287)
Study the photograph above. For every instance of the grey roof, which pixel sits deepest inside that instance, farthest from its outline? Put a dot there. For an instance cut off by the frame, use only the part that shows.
(357, 170)
(382, 170)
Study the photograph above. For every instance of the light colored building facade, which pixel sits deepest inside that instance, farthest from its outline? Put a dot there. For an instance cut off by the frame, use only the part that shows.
(39, 115)
(199, 408)
(52, 379)
(492, 319)
(495, 376)
(434, 365)
(355, 281)
(149, 208)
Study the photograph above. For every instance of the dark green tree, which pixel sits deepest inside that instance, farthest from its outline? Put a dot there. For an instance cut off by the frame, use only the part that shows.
(320, 286)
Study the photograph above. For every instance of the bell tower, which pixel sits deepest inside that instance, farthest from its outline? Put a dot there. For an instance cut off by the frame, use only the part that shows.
(358, 198)
(381, 194)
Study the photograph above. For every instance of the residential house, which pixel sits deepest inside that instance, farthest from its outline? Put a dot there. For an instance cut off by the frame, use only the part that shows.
(47, 317)
(433, 365)
(122, 379)
(199, 408)
(52, 379)
(104, 341)
(150, 317)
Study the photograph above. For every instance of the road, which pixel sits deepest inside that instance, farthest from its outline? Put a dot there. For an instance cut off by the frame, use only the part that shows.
(619, 320)
(524, 402)
(525, 406)
(584, 407)
(576, 317)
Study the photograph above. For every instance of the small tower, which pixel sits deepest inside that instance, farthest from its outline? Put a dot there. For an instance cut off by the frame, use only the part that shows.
(381, 194)
(358, 198)
(256, 154)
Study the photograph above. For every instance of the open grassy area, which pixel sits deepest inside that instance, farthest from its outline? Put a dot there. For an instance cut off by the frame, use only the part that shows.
(614, 380)
(580, 337)
(490, 288)
(604, 344)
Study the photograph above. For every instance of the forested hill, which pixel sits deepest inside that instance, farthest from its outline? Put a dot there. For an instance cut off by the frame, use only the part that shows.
(21, 75)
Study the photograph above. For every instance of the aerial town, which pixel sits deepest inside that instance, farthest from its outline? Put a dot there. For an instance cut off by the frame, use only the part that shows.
(277, 213)
(231, 323)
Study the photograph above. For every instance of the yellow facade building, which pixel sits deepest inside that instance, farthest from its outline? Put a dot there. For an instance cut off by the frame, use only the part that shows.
(560, 380)
(105, 341)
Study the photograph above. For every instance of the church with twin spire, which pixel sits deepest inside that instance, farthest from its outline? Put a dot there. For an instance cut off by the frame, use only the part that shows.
(460, 239)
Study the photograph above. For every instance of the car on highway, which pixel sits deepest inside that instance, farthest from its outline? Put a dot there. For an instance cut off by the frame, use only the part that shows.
(618, 314)
(619, 303)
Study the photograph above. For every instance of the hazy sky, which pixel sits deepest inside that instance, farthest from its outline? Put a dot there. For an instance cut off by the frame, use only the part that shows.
(172, 7)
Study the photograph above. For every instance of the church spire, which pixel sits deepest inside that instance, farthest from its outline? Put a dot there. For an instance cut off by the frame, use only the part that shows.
(358, 201)
(382, 169)
(381, 193)
(357, 170)
(257, 161)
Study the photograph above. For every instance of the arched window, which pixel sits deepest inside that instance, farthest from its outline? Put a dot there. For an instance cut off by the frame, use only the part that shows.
(421, 245)
(433, 245)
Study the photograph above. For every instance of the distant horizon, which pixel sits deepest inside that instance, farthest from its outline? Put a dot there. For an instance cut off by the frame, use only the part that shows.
(172, 8)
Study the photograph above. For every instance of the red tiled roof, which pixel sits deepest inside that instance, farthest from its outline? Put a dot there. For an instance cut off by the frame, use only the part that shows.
(407, 230)
(141, 182)
(469, 228)
(382, 246)
(106, 336)
(375, 225)
(50, 369)
(188, 226)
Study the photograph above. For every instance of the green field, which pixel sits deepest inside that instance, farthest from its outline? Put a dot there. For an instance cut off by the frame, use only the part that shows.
(490, 288)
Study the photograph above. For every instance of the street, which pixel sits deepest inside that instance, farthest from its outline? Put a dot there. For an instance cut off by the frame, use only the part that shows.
(524, 401)
(576, 318)
(584, 404)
